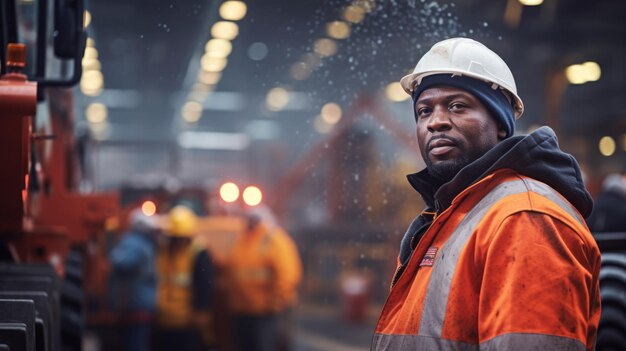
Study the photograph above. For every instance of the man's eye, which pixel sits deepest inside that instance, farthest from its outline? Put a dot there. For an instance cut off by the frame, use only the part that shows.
(456, 106)
(423, 111)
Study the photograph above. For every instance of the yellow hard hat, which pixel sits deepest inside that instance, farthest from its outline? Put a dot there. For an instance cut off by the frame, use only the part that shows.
(183, 222)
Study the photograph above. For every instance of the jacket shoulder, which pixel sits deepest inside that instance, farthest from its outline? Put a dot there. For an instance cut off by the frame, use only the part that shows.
(517, 194)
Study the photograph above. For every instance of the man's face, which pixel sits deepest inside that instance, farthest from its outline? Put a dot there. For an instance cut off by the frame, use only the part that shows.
(453, 129)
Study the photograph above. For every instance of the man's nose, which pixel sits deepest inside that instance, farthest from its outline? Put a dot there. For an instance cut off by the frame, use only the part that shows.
(439, 120)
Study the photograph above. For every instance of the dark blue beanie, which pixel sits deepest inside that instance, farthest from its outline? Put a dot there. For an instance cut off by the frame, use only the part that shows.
(494, 99)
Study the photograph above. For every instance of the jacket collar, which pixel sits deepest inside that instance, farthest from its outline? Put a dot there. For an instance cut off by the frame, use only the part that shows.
(536, 155)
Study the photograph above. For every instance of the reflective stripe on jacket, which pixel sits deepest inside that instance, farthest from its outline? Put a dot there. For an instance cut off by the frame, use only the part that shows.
(510, 265)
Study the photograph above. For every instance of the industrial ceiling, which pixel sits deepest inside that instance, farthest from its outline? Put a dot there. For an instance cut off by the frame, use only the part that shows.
(151, 59)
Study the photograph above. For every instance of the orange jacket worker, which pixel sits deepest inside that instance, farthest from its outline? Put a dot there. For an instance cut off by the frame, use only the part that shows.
(264, 271)
(501, 259)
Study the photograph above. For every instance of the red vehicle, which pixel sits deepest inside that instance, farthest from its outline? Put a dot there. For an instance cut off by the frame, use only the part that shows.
(47, 227)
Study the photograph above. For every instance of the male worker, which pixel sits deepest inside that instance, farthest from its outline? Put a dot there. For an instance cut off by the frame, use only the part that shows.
(133, 280)
(185, 276)
(501, 258)
(264, 271)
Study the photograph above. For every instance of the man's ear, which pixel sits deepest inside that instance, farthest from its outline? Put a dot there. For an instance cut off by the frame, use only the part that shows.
(501, 133)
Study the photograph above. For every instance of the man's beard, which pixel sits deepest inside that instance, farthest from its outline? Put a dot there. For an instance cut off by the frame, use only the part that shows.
(446, 170)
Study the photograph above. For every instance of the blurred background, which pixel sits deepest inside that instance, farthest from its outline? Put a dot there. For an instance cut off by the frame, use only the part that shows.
(301, 99)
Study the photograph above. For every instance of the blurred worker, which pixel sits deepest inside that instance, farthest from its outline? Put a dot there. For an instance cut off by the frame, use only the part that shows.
(133, 280)
(264, 271)
(501, 258)
(185, 279)
(609, 211)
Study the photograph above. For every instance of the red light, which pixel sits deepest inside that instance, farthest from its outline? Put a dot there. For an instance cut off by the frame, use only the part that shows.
(148, 208)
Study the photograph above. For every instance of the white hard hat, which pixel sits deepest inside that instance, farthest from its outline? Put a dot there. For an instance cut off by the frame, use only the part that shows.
(465, 57)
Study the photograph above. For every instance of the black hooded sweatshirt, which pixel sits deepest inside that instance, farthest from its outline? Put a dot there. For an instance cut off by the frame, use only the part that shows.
(536, 155)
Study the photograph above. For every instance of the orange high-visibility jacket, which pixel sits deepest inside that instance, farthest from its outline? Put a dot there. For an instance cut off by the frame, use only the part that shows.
(175, 307)
(264, 271)
(510, 265)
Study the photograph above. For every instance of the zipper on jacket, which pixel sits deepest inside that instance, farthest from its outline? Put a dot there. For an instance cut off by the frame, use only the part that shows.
(401, 269)
(436, 214)
(413, 245)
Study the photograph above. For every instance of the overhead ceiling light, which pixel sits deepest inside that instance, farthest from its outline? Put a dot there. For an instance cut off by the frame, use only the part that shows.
(354, 14)
(96, 113)
(582, 73)
(91, 92)
(217, 54)
(209, 78)
(325, 47)
(395, 92)
(531, 2)
(213, 64)
(607, 146)
(233, 10)
(277, 98)
(575, 74)
(300, 71)
(191, 111)
(218, 47)
(91, 64)
(91, 83)
(592, 71)
(86, 19)
(91, 80)
(331, 113)
(338, 30)
(225, 30)
(91, 53)
(257, 51)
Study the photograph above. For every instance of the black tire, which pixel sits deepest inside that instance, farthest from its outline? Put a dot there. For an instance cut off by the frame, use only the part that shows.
(614, 259)
(612, 328)
(72, 304)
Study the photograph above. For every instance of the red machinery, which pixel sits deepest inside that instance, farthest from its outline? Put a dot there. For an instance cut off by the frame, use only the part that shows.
(47, 229)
